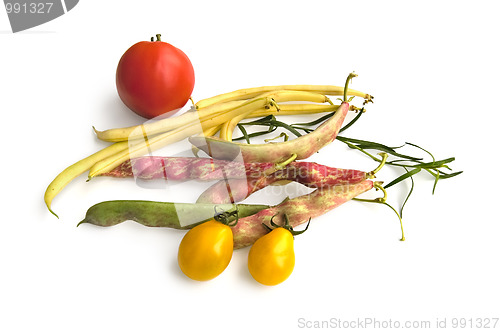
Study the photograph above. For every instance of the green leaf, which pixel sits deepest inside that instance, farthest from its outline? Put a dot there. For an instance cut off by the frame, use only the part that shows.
(315, 122)
(353, 121)
(402, 177)
(306, 130)
(255, 134)
(261, 121)
(287, 126)
(435, 183)
(436, 164)
(447, 176)
(430, 154)
(244, 132)
(364, 145)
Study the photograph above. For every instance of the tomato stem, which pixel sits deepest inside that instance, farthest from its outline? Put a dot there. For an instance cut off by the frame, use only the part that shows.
(158, 37)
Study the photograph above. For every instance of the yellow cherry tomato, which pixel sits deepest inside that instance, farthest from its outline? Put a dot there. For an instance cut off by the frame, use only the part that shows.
(271, 259)
(206, 250)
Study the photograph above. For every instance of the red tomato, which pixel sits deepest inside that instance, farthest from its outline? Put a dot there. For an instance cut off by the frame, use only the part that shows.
(154, 78)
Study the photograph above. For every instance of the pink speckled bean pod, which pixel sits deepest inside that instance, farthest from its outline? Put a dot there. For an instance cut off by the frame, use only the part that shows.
(298, 211)
(186, 168)
(303, 146)
(312, 175)
(206, 169)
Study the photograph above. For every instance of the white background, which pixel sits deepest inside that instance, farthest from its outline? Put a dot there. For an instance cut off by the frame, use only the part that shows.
(433, 69)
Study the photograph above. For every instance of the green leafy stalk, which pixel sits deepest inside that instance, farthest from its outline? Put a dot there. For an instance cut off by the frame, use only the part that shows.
(244, 132)
(411, 164)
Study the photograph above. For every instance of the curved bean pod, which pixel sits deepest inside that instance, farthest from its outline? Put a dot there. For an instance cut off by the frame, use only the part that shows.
(304, 146)
(75, 170)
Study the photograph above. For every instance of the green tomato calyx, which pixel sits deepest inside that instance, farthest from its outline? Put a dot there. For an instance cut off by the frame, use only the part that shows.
(229, 218)
(286, 225)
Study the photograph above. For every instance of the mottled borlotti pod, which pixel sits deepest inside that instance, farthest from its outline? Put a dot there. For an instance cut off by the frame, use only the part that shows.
(304, 146)
(312, 175)
(205, 169)
(298, 211)
(186, 168)
(234, 190)
(161, 214)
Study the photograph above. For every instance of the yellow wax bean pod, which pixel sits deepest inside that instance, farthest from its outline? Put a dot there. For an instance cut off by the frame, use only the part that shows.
(329, 90)
(75, 170)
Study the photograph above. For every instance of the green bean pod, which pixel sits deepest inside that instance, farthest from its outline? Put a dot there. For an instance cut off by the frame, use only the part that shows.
(161, 214)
